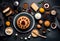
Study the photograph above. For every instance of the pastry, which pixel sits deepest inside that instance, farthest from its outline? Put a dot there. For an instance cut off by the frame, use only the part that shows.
(41, 10)
(38, 16)
(40, 21)
(23, 22)
(25, 5)
(34, 6)
(39, 26)
(6, 10)
(9, 13)
(47, 23)
(8, 23)
(8, 31)
(34, 33)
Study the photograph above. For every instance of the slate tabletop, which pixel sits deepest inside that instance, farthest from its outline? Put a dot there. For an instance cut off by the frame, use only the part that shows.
(54, 35)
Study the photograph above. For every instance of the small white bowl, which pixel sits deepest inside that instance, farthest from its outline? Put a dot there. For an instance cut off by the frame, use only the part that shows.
(38, 16)
(53, 12)
(9, 31)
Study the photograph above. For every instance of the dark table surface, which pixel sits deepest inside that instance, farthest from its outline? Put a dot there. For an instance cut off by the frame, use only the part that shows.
(54, 35)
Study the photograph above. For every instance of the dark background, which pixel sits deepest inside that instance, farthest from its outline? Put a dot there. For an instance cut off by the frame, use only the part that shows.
(54, 35)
